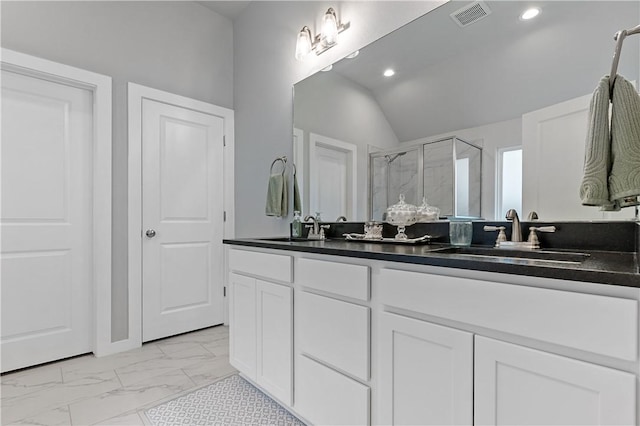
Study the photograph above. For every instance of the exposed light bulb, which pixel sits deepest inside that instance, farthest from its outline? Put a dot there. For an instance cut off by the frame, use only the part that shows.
(303, 44)
(388, 72)
(529, 14)
(329, 33)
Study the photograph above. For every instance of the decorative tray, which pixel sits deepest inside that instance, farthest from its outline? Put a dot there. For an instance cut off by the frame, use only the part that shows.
(425, 239)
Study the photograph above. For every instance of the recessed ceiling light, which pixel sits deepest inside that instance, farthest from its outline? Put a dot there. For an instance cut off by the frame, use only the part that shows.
(353, 55)
(328, 68)
(388, 72)
(529, 14)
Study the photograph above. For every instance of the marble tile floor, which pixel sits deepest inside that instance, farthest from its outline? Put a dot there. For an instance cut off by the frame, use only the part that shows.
(115, 389)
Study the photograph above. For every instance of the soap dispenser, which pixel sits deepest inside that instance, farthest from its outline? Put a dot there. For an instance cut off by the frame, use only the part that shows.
(296, 225)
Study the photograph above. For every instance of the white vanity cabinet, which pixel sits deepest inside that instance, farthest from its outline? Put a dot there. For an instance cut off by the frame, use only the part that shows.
(375, 342)
(333, 329)
(509, 383)
(261, 320)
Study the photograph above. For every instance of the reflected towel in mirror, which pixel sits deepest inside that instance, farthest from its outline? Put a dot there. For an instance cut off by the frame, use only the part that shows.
(297, 203)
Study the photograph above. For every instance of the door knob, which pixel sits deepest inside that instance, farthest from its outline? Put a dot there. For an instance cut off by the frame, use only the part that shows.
(150, 233)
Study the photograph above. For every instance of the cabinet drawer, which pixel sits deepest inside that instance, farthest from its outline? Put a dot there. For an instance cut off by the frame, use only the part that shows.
(599, 324)
(326, 397)
(335, 332)
(274, 266)
(338, 278)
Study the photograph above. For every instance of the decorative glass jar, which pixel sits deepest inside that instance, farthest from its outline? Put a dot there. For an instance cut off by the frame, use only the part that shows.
(427, 213)
(401, 215)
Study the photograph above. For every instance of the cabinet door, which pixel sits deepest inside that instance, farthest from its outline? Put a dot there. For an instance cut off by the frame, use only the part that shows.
(518, 385)
(426, 373)
(274, 339)
(242, 324)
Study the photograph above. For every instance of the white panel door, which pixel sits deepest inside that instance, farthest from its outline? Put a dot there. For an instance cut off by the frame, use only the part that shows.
(553, 143)
(274, 333)
(182, 210)
(333, 171)
(46, 223)
(426, 373)
(515, 385)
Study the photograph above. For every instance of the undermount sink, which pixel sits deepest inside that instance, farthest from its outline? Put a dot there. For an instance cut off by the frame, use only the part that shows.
(537, 255)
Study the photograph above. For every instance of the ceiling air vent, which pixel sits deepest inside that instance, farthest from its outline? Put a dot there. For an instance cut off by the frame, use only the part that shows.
(471, 13)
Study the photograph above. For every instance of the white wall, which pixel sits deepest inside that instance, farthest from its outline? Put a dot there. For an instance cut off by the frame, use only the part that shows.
(330, 105)
(179, 47)
(265, 71)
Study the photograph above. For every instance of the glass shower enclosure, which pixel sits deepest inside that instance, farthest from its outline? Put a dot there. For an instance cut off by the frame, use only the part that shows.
(448, 172)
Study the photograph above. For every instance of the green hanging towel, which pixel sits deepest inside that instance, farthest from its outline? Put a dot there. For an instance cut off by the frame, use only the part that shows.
(297, 204)
(277, 191)
(624, 179)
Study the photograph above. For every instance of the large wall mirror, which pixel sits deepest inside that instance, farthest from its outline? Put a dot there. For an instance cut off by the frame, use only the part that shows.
(518, 89)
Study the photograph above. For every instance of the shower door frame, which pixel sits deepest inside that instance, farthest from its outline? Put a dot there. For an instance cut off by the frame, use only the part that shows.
(420, 146)
(378, 154)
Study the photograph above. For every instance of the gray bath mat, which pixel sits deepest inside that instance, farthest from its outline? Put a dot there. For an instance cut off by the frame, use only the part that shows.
(231, 401)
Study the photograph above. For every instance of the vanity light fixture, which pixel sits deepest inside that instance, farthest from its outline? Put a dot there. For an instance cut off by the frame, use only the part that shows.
(329, 34)
(327, 38)
(304, 45)
(529, 14)
(389, 72)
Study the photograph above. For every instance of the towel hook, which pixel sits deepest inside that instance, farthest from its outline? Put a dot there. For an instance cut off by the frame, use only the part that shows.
(619, 37)
(284, 164)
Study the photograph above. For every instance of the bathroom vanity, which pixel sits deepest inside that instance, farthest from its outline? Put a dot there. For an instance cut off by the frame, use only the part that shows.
(355, 333)
(366, 333)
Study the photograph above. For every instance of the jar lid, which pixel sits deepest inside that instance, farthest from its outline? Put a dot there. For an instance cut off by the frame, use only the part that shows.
(401, 213)
(426, 212)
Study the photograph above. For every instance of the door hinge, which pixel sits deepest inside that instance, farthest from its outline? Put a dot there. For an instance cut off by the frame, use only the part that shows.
(224, 291)
(224, 216)
(224, 140)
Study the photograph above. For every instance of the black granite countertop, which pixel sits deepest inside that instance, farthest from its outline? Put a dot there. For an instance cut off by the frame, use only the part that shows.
(607, 267)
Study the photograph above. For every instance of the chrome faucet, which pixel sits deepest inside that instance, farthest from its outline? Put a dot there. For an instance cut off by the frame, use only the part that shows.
(341, 218)
(516, 242)
(317, 230)
(516, 232)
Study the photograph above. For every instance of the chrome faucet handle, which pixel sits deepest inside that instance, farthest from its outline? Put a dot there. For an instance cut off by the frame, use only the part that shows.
(543, 228)
(322, 228)
(502, 237)
(533, 237)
